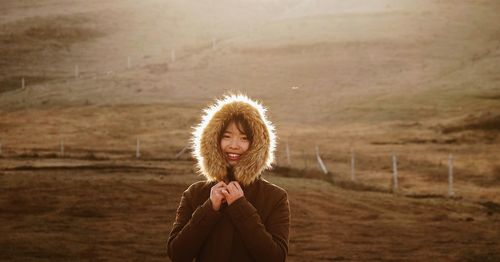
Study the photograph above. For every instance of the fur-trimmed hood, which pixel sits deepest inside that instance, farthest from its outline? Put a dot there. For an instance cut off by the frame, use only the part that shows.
(260, 154)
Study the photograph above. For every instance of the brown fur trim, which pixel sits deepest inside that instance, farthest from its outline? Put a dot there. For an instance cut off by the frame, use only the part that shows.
(260, 154)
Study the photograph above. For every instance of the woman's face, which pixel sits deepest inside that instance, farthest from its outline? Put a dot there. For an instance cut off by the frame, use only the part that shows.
(233, 144)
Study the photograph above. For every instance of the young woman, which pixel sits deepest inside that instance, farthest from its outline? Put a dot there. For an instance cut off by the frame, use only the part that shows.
(235, 215)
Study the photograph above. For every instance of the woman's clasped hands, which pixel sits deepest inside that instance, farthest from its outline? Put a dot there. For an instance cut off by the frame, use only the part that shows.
(223, 192)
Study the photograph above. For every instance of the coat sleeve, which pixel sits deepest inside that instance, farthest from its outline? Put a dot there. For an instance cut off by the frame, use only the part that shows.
(267, 242)
(191, 228)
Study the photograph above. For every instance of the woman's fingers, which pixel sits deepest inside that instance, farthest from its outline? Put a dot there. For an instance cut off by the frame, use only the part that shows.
(217, 189)
(222, 191)
(237, 185)
(216, 197)
(230, 192)
(220, 184)
(232, 188)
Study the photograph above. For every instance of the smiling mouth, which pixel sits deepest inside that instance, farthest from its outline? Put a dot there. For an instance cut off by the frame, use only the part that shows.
(233, 157)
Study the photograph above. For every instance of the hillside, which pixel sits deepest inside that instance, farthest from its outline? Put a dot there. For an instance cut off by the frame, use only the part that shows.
(84, 85)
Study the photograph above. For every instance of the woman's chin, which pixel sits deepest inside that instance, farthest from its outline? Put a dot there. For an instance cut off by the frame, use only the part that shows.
(232, 163)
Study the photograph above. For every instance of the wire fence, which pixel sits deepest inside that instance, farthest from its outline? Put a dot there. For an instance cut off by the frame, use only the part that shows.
(304, 165)
(358, 171)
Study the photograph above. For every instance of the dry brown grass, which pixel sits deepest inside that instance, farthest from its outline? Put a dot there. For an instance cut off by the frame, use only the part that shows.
(331, 74)
(103, 214)
(29, 44)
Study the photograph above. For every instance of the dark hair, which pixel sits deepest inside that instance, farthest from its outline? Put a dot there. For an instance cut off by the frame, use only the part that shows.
(241, 123)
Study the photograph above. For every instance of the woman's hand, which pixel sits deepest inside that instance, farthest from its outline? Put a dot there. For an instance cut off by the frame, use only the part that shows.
(232, 192)
(216, 195)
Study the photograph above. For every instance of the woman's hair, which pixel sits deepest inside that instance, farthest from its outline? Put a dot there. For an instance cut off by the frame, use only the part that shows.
(241, 123)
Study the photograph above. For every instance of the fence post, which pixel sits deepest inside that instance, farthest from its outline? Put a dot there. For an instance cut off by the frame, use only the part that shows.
(22, 83)
(138, 149)
(353, 166)
(287, 149)
(394, 174)
(181, 152)
(320, 161)
(172, 55)
(62, 148)
(77, 71)
(305, 159)
(450, 176)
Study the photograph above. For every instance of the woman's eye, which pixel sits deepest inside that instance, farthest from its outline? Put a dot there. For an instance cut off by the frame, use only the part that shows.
(244, 138)
(226, 136)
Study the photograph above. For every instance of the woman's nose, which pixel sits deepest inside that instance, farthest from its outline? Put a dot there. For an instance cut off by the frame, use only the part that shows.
(234, 144)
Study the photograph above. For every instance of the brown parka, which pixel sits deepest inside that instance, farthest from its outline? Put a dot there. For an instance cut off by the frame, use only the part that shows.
(254, 227)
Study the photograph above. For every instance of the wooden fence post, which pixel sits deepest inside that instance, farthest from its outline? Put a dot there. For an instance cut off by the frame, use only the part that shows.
(181, 152)
(305, 159)
(394, 174)
(138, 149)
(353, 166)
(320, 161)
(450, 176)
(287, 149)
(77, 71)
(62, 148)
(172, 55)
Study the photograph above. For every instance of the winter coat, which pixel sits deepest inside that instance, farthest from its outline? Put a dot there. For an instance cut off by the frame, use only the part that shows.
(253, 228)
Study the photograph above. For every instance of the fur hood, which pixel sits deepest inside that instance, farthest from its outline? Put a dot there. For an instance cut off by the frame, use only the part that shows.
(260, 154)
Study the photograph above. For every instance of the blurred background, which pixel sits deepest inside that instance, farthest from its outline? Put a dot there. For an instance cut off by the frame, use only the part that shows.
(387, 112)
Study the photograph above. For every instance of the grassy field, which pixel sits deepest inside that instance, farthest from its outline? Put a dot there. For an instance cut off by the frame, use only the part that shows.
(53, 210)
(415, 80)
